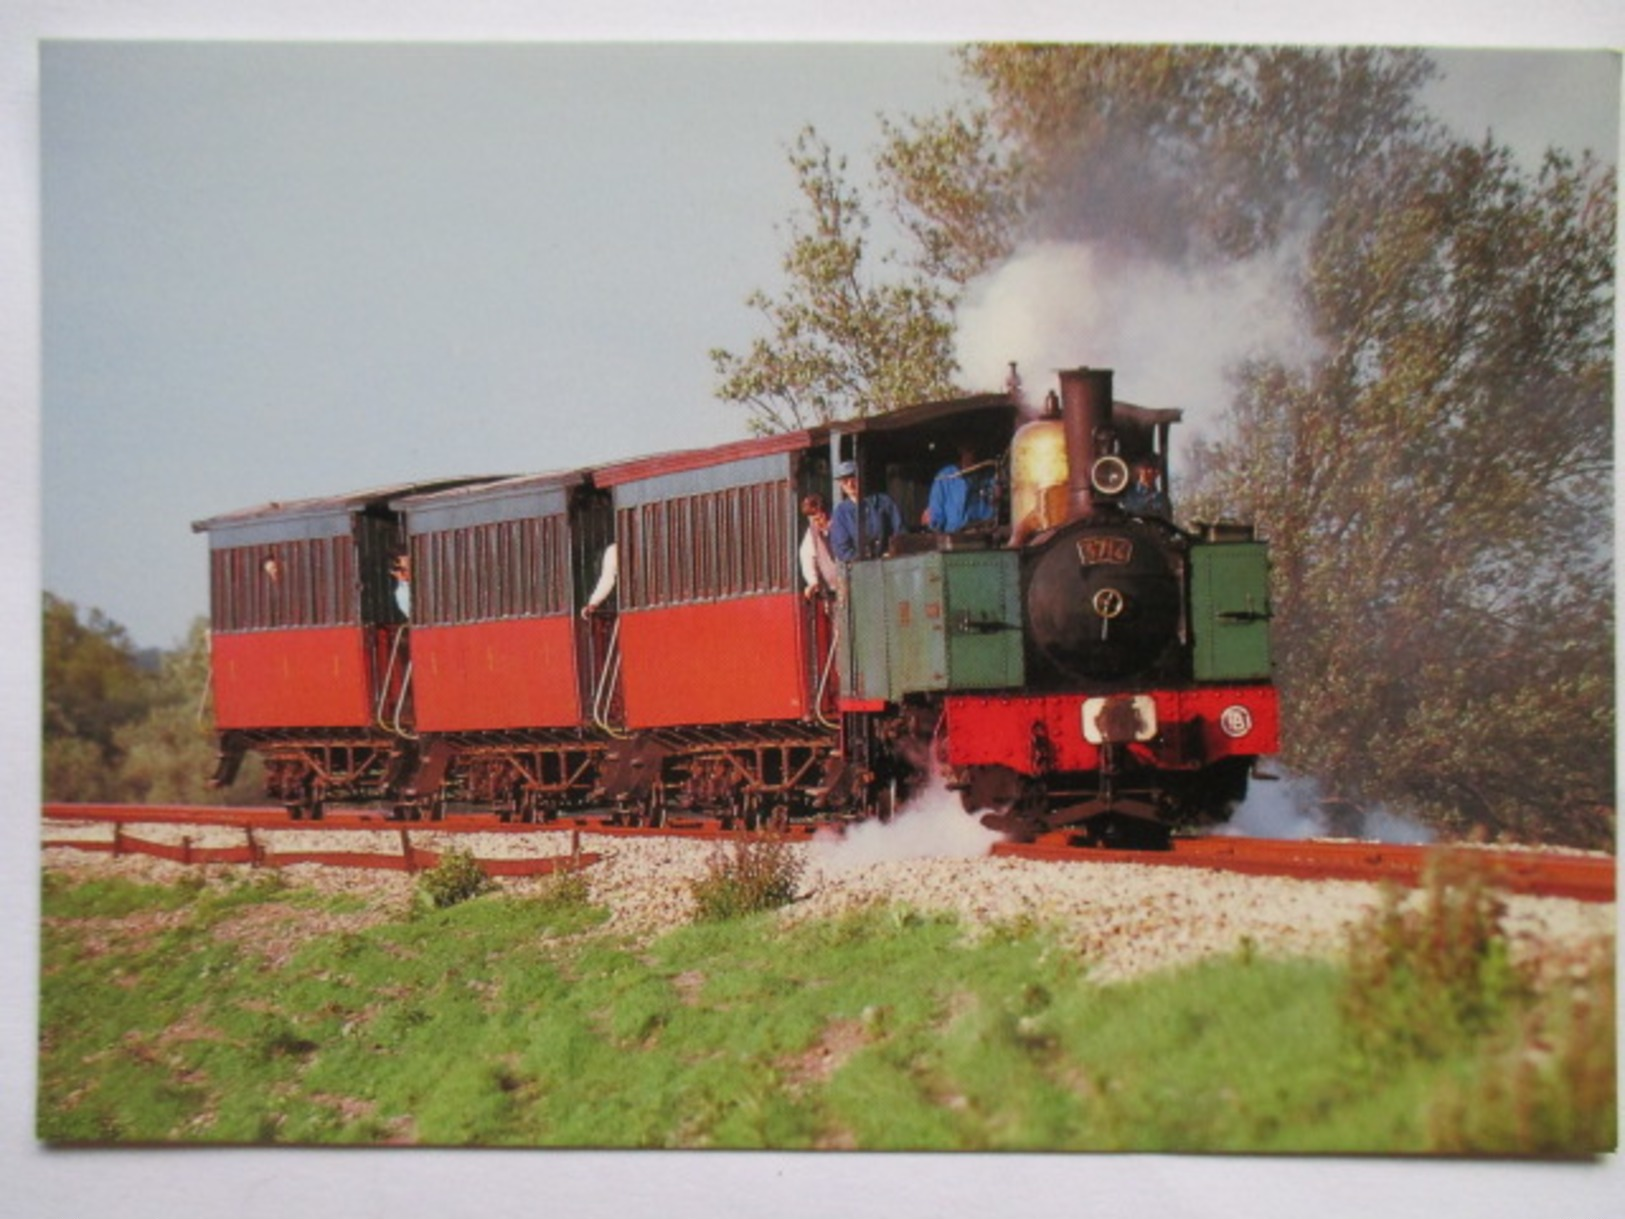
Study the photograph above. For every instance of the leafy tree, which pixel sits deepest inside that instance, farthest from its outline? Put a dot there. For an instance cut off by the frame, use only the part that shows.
(1175, 152)
(93, 686)
(116, 728)
(843, 342)
(954, 188)
(1437, 488)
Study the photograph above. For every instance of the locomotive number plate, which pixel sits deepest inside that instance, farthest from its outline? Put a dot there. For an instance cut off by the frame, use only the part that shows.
(1095, 551)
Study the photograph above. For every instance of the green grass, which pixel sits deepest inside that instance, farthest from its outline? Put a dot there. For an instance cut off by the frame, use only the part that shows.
(521, 1021)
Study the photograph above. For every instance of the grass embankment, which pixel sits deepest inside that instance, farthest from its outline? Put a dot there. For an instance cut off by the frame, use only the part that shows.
(509, 1020)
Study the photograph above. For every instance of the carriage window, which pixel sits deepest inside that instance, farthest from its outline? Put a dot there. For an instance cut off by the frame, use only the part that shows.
(277, 585)
(507, 569)
(705, 547)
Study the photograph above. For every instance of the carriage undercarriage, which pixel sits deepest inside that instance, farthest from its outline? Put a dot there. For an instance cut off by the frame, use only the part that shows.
(750, 777)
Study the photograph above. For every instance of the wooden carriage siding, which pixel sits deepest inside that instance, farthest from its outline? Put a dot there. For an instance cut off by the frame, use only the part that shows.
(507, 569)
(711, 525)
(315, 585)
(737, 542)
(499, 550)
(331, 560)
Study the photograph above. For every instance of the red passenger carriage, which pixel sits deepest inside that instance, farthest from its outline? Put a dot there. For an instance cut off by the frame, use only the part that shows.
(307, 649)
(503, 670)
(717, 653)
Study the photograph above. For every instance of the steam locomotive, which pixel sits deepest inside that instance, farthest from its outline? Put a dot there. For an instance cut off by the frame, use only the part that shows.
(1073, 661)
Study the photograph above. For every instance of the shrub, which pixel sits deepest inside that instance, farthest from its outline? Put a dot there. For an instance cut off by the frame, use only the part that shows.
(757, 874)
(456, 878)
(1424, 978)
(563, 890)
(1546, 1086)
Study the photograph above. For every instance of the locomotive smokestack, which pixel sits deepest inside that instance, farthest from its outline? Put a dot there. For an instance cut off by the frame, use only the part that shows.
(1086, 409)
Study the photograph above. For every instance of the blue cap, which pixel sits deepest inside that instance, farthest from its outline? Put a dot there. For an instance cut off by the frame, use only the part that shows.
(846, 470)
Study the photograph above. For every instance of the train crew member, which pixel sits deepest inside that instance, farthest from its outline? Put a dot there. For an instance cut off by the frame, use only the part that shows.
(1144, 497)
(609, 569)
(819, 567)
(962, 494)
(879, 520)
(401, 569)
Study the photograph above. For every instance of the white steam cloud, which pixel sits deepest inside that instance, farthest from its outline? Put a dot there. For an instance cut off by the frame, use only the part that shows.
(1170, 334)
(1295, 808)
(933, 825)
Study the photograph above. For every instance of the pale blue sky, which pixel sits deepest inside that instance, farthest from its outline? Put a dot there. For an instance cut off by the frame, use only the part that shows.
(274, 271)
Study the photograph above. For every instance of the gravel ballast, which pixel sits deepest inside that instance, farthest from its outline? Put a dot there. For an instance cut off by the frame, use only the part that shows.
(1123, 919)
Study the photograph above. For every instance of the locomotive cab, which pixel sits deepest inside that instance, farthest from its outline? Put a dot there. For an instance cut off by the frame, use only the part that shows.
(907, 454)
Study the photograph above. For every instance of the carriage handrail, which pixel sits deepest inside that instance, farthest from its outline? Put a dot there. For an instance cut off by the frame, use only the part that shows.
(825, 674)
(381, 714)
(400, 704)
(604, 695)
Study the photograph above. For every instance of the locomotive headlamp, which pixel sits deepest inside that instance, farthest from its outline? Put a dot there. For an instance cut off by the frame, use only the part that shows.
(1119, 719)
(1109, 475)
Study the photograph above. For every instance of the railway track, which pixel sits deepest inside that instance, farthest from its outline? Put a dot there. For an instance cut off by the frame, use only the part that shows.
(1590, 878)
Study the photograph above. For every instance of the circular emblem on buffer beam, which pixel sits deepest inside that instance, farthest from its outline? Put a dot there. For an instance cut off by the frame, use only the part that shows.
(1236, 720)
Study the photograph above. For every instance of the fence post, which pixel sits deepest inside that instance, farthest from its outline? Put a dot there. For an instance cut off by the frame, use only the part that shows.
(406, 850)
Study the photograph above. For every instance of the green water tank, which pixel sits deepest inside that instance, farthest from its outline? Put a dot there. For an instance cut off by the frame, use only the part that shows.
(1230, 611)
(936, 621)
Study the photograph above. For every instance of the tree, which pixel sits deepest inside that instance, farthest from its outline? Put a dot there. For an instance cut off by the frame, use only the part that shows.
(93, 686)
(1437, 488)
(116, 728)
(954, 188)
(1180, 153)
(843, 343)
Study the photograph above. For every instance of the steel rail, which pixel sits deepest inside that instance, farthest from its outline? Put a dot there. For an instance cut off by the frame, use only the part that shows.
(1545, 873)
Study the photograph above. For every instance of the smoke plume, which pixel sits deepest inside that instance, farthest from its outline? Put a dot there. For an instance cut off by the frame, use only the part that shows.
(1296, 808)
(1171, 333)
(933, 825)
